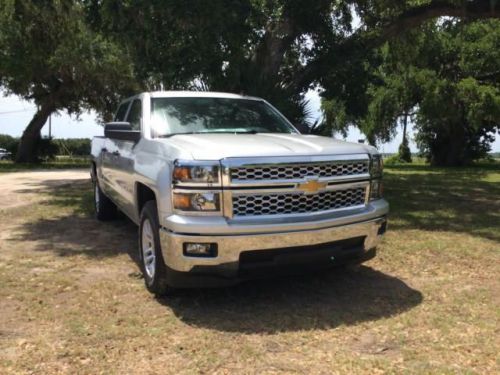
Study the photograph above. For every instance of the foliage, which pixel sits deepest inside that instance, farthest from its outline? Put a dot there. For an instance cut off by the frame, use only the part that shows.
(459, 110)
(60, 58)
(9, 143)
(85, 54)
(404, 153)
(49, 148)
(446, 74)
(73, 146)
(275, 49)
(50, 56)
(251, 47)
(392, 160)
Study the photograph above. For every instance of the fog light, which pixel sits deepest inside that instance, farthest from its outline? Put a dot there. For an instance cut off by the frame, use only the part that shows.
(200, 249)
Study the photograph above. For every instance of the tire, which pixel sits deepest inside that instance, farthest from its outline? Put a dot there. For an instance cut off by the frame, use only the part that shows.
(105, 209)
(152, 263)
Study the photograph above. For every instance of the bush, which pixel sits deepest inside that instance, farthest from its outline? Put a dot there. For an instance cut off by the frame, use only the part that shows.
(404, 153)
(9, 143)
(73, 147)
(392, 160)
(49, 148)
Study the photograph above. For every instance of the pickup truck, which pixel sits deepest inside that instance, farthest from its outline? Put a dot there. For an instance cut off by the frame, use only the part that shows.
(224, 188)
(4, 154)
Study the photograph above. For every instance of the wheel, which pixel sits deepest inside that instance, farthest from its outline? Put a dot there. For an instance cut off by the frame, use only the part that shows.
(152, 263)
(105, 209)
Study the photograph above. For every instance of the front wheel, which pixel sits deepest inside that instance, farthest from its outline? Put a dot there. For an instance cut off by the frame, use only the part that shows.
(152, 263)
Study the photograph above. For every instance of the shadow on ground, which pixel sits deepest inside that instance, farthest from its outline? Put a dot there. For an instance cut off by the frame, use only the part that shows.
(66, 225)
(461, 200)
(337, 297)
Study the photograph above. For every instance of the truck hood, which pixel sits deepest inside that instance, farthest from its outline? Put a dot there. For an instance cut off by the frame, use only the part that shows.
(220, 146)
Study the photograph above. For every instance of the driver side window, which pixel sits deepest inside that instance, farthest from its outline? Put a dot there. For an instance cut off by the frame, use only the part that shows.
(122, 111)
(135, 114)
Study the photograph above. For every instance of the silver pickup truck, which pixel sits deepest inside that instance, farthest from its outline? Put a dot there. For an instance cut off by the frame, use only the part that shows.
(224, 188)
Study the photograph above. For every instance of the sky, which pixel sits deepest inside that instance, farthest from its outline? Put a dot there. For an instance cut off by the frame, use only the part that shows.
(15, 114)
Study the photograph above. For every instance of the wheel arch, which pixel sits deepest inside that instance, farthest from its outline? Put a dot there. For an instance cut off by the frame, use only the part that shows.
(143, 194)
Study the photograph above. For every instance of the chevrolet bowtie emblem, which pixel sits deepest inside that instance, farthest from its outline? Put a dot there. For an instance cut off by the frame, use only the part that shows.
(311, 186)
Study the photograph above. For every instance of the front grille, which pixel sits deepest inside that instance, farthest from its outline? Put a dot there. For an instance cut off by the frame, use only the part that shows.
(293, 203)
(298, 171)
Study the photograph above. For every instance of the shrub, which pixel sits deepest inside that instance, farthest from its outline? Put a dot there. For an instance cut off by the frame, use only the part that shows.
(9, 143)
(404, 153)
(392, 160)
(73, 147)
(49, 148)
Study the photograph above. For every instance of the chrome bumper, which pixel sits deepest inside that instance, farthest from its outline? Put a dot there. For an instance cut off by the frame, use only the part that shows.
(231, 246)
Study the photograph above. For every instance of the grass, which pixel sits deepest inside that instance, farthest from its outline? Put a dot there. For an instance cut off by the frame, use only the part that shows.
(61, 162)
(73, 300)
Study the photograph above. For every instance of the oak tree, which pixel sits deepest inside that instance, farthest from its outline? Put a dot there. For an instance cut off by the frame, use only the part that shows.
(50, 56)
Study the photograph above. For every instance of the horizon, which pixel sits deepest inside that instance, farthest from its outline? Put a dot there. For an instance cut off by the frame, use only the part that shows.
(15, 115)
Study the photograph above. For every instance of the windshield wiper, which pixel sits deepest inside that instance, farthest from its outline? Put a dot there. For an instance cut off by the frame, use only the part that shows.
(172, 134)
(216, 132)
(245, 132)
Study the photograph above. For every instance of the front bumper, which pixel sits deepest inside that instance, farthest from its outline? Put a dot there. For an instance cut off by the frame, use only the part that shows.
(231, 247)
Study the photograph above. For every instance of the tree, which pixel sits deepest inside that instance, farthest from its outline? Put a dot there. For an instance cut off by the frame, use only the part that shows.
(446, 74)
(242, 46)
(277, 49)
(49, 55)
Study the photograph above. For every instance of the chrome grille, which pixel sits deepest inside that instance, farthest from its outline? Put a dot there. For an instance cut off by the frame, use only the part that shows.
(297, 171)
(281, 203)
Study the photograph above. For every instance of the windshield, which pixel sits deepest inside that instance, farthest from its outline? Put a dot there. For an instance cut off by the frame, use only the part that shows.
(172, 116)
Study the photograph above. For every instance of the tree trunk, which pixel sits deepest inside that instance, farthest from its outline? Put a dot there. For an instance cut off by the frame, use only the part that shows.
(27, 150)
(449, 149)
(405, 125)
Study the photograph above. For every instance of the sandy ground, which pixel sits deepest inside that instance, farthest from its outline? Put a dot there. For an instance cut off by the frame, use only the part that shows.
(73, 301)
(20, 188)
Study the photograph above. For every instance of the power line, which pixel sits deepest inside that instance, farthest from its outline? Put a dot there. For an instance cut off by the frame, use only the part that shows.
(17, 111)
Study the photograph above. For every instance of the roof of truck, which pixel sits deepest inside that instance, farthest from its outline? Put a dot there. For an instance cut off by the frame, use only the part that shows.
(198, 94)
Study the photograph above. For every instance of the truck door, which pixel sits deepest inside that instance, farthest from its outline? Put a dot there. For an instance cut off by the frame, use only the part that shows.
(109, 155)
(124, 172)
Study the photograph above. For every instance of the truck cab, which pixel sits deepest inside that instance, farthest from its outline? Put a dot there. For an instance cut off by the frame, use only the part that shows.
(224, 188)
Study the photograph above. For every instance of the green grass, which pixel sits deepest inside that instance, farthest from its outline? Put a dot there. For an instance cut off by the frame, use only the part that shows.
(61, 162)
(73, 300)
(445, 199)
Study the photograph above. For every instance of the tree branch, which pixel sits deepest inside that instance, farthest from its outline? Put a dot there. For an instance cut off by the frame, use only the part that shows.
(414, 17)
(270, 53)
(475, 9)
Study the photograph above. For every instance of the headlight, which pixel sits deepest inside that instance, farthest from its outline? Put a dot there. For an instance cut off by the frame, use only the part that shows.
(376, 166)
(196, 173)
(376, 189)
(197, 202)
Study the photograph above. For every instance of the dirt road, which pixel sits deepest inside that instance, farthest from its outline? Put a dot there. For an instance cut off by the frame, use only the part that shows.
(20, 188)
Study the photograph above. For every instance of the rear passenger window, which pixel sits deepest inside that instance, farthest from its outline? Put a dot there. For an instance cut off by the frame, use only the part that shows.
(122, 111)
(135, 114)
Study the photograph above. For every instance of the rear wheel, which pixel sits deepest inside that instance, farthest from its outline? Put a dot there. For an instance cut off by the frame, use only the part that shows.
(152, 263)
(104, 208)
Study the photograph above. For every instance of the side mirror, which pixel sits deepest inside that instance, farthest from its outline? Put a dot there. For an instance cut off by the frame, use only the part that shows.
(121, 130)
(303, 129)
